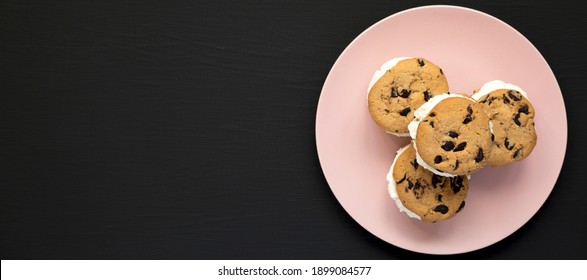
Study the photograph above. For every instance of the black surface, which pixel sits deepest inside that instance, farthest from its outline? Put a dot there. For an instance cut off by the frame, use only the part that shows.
(172, 130)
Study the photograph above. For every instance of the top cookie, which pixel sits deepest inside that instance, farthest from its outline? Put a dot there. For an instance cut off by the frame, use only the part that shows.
(401, 90)
(452, 135)
(512, 116)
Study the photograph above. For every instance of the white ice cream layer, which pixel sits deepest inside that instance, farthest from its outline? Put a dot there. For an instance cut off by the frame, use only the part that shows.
(399, 134)
(419, 115)
(392, 187)
(492, 86)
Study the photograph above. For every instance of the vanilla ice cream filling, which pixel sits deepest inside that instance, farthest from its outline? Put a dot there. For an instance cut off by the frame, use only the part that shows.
(378, 74)
(492, 86)
(392, 187)
(399, 134)
(419, 115)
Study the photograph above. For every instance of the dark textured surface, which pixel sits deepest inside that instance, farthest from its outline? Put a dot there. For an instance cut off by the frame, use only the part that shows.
(170, 130)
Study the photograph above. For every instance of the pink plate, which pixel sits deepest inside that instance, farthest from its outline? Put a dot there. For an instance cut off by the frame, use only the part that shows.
(472, 48)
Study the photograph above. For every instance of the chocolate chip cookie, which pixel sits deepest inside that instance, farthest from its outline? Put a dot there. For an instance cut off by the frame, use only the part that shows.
(451, 135)
(421, 193)
(512, 117)
(395, 96)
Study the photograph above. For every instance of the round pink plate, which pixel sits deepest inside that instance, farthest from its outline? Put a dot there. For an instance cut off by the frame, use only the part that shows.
(472, 48)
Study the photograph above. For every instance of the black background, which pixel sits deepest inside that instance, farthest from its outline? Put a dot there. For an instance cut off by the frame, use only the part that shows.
(185, 130)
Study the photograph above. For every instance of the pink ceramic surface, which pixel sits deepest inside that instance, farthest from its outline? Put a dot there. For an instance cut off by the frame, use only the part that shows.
(472, 48)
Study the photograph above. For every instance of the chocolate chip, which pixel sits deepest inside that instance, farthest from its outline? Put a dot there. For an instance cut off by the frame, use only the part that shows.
(484, 99)
(506, 143)
(514, 97)
(469, 116)
(517, 153)
(479, 156)
(437, 181)
(443, 209)
(456, 165)
(427, 96)
(492, 137)
(405, 112)
(491, 99)
(402, 179)
(415, 164)
(448, 146)
(432, 115)
(405, 93)
(523, 109)
(456, 184)
(441, 71)
(393, 92)
(386, 111)
(421, 62)
(432, 124)
(438, 159)
(506, 100)
(410, 184)
(461, 206)
(517, 119)
(439, 197)
(418, 190)
(453, 134)
(460, 147)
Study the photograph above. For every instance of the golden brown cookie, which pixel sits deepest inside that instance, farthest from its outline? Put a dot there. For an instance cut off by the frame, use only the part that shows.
(395, 96)
(452, 135)
(421, 193)
(512, 118)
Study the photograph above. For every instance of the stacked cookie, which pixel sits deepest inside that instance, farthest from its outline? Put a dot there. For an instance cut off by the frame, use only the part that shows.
(453, 135)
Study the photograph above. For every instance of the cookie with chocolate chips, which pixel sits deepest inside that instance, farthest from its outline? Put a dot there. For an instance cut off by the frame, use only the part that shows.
(512, 118)
(409, 83)
(451, 135)
(423, 194)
